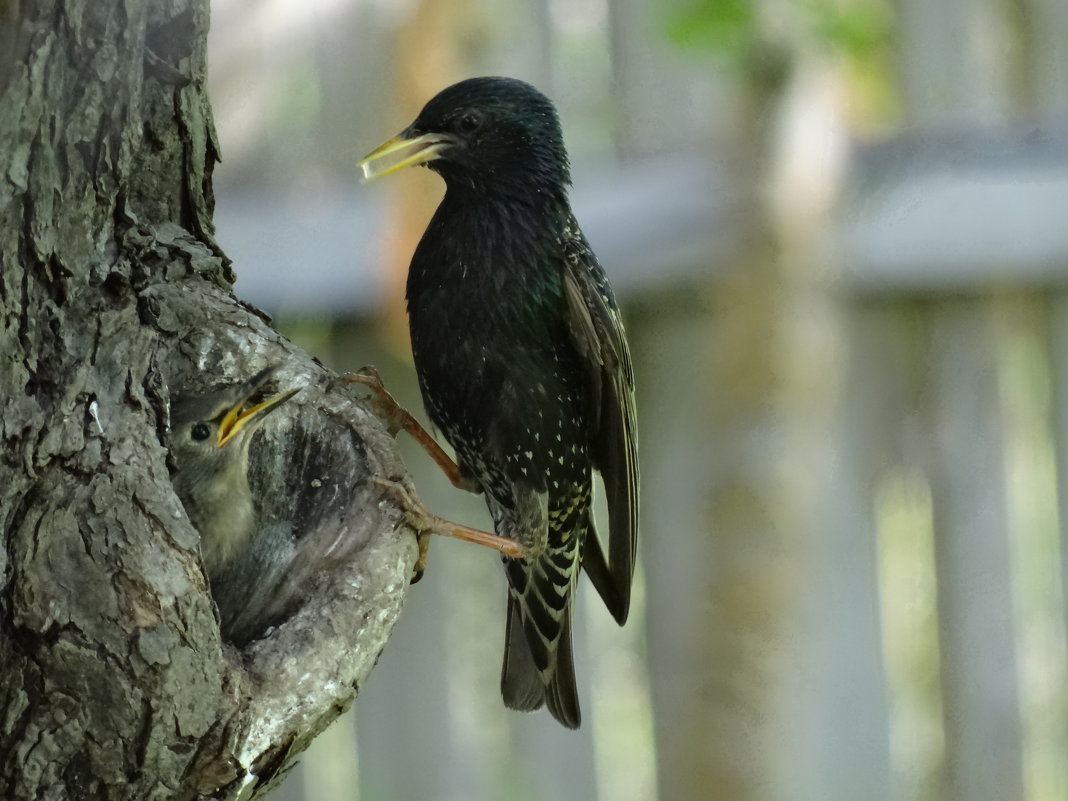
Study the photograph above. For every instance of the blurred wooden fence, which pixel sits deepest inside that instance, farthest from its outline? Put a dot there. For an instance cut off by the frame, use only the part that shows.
(853, 419)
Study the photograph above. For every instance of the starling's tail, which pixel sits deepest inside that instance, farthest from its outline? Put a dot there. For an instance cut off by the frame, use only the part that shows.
(561, 696)
(522, 684)
(538, 667)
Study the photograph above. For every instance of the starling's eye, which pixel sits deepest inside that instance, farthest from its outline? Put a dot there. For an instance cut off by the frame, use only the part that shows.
(469, 122)
(200, 431)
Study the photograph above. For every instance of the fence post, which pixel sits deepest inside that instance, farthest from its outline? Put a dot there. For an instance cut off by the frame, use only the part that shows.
(975, 605)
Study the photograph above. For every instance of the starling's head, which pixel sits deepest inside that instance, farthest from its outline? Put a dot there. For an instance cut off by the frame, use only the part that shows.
(482, 133)
(212, 420)
(211, 431)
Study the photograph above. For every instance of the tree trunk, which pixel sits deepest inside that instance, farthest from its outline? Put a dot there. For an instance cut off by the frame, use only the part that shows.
(114, 683)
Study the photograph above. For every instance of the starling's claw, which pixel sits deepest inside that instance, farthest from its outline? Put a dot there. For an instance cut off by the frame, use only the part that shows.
(422, 539)
(383, 404)
(425, 522)
(386, 407)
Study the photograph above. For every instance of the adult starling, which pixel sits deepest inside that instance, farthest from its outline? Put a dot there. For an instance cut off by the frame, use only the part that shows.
(523, 364)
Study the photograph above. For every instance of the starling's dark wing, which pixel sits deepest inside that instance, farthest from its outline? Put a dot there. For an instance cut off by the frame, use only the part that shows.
(597, 332)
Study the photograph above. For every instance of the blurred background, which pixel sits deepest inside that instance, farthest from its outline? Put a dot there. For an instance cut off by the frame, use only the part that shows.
(839, 231)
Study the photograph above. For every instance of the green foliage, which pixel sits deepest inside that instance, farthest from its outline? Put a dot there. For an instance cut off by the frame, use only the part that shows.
(735, 27)
(724, 26)
(763, 38)
(857, 29)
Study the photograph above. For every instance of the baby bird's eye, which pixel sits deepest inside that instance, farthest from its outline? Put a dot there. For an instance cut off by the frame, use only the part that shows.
(200, 432)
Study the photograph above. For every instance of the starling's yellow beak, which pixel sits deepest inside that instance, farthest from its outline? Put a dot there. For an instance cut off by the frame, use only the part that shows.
(240, 415)
(400, 152)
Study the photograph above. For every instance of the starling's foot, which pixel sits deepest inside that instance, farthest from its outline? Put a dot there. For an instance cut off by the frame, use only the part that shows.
(424, 522)
(385, 406)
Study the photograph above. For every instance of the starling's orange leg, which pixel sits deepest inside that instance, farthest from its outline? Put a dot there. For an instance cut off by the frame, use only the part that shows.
(388, 409)
(425, 522)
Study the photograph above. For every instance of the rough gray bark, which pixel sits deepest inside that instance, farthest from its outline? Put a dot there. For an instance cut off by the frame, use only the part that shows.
(113, 681)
